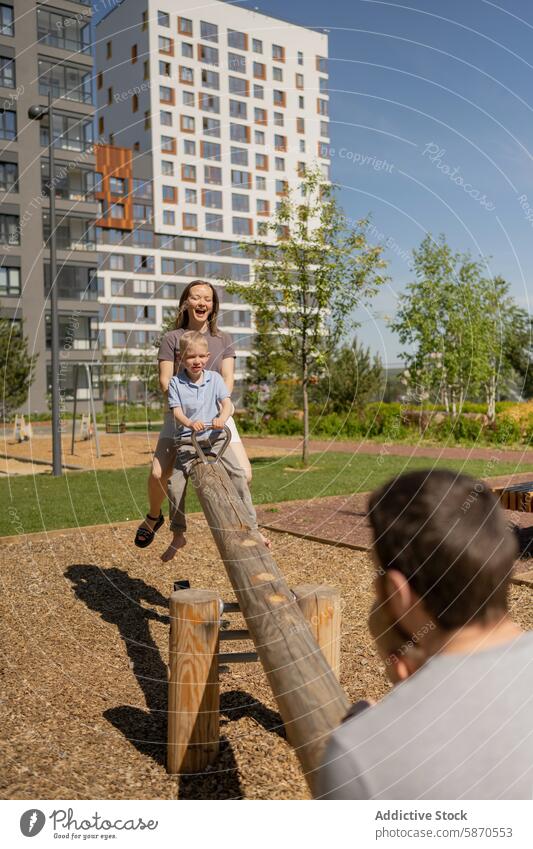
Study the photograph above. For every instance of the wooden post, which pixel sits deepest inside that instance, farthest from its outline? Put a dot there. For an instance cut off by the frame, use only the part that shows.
(193, 687)
(321, 607)
(309, 696)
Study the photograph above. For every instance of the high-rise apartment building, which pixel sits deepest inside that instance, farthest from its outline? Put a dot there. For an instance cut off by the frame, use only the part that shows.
(46, 47)
(217, 110)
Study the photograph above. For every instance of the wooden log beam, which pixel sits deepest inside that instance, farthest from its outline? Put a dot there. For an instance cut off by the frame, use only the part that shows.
(321, 607)
(309, 697)
(193, 686)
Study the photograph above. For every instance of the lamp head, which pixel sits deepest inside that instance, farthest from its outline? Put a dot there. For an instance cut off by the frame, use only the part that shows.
(35, 113)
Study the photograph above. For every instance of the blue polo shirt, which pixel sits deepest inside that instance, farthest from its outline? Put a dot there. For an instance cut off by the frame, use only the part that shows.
(197, 400)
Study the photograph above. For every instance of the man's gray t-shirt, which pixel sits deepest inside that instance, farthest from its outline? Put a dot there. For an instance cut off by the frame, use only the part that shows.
(460, 728)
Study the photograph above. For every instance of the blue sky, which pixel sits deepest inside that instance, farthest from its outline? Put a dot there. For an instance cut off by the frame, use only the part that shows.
(441, 95)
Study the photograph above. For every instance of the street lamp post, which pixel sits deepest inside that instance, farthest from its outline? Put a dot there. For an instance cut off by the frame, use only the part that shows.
(37, 113)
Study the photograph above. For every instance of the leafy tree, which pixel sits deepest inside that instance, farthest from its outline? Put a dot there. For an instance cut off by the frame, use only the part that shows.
(352, 377)
(17, 367)
(270, 374)
(519, 349)
(307, 286)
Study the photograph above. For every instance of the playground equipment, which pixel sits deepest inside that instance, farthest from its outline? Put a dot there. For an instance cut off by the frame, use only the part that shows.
(86, 417)
(283, 624)
(518, 497)
(22, 432)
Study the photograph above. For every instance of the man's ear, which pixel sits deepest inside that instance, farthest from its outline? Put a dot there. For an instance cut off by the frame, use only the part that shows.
(398, 594)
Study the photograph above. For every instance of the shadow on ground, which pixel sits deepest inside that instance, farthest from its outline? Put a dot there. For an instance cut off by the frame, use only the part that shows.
(120, 600)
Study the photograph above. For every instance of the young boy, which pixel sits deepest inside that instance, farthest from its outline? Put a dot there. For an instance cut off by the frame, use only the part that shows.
(200, 401)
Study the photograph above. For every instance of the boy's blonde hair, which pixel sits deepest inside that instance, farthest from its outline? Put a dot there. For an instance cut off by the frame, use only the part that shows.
(190, 338)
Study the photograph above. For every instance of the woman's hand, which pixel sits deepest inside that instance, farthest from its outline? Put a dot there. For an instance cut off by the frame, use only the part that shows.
(219, 423)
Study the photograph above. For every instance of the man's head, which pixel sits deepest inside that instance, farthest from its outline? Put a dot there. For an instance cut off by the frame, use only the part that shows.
(442, 549)
(194, 352)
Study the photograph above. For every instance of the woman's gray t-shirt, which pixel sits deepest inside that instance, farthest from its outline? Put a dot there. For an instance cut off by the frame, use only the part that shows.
(220, 348)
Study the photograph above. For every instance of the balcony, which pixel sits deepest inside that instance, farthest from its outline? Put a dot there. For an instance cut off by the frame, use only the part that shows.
(74, 282)
(63, 32)
(72, 233)
(75, 183)
(70, 132)
(76, 332)
(66, 81)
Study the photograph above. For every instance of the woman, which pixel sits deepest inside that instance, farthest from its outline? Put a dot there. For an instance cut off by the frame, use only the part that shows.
(198, 310)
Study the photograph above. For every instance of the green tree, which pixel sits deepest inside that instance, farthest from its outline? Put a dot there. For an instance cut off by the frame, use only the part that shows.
(519, 349)
(270, 374)
(352, 378)
(17, 367)
(307, 285)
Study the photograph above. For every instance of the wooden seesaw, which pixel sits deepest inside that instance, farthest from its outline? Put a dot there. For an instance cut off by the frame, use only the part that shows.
(283, 624)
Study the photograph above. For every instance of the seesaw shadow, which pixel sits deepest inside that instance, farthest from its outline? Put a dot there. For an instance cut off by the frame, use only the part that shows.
(117, 598)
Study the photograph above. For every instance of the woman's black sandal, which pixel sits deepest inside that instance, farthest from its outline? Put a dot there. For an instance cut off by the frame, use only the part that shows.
(145, 536)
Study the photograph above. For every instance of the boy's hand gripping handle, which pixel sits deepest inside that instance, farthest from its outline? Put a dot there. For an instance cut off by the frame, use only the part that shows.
(204, 457)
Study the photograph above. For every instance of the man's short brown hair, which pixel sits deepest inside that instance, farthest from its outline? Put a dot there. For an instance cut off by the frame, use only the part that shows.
(446, 533)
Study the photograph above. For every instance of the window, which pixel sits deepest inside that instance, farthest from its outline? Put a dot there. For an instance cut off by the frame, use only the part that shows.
(241, 179)
(189, 147)
(69, 132)
(259, 91)
(188, 173)
(208, 32)
(142, 188)
(208, 102)
(187, 123)
(166, 94)
(302, 145)
(279, 163)
(214, 223)
(118, 313)
(236, 63)
(240, 203)
(141, 212)
(209, 55)
(301, 102)
(108, 50)
(260, 183)
(210, 79)
(191, 196)
(143, 287)
(280, 143)
(324, 129)
(277, 74)
(165, 118)
(99, 80)
(259, 70)
(187, 50)
(120, 339)
(212, 198)
(168, 194)
(279, 119)
(168, 265)
(9, 280)
(238, 86)
(300, 125)
(9, 230)
(184, 26)
(165, 69)
(211, 127)
(239, 156)
(145, 314)
(238, 109)
(300, 169)
(169, 217)
(135, 103)
(187, 97)
(7, 72)
(168, 290)
(300, 57)
(117, 186)
(146, 69)
(144, 263)
(257, 45)
(147, 120)
(117, 287)
(7, 24)
(323, 150)
(133, 54)
(279, 97)
(242, 226)
(261, 161)
(166, 45)
(163, 19)
(323, 85)
(167, 168)
(62, 80)
(190, 221)
(186, 75)
(299, 81)
(210, 150)
(322, 64)
(109, 91)
(213, 175)
(259, 137)
(238, 40)
(260, 116)
(322, 107)
(239, 132)
(282, 187)
(116, 262)
(168, 144)
(262, 207)
(278, 53)
(8, 177)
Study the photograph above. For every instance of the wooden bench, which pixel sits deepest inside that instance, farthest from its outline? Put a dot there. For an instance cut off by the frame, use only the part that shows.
(518, 497)
(115, 427)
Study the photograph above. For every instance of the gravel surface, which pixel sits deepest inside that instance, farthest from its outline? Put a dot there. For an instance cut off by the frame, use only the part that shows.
(85, 641)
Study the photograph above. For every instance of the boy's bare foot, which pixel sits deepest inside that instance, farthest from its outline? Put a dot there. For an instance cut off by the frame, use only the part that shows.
(178, 541)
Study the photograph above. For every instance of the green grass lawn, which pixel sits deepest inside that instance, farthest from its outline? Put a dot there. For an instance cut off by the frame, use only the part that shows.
(87, 498)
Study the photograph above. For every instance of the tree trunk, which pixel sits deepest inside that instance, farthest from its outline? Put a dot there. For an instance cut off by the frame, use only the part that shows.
(305, 393)
(491, 399)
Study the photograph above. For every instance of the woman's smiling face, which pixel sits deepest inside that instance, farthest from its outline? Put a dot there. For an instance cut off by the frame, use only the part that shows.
(200, 303)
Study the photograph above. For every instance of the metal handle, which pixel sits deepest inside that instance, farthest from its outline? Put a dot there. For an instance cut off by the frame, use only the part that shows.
(200, 452)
